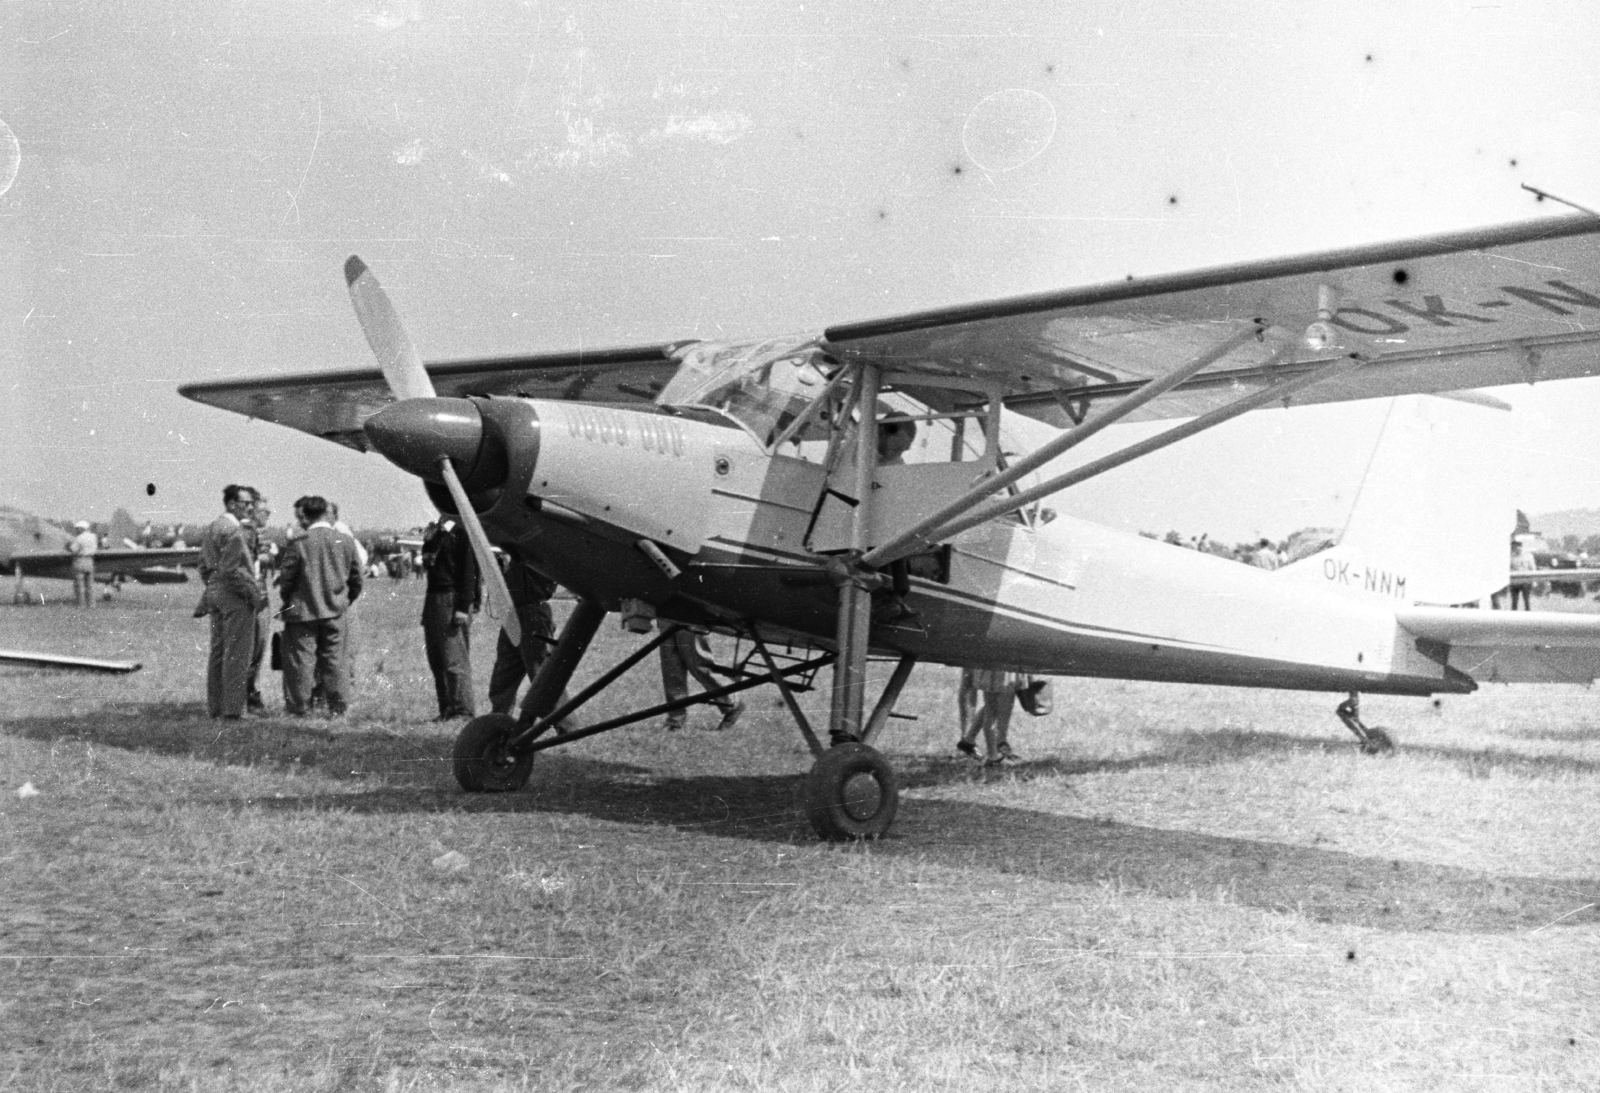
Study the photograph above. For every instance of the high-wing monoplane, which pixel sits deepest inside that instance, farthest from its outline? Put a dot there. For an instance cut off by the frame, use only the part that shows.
(742, 486)
(33, 547)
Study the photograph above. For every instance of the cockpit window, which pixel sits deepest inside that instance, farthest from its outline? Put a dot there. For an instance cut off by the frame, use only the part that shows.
(763, 386)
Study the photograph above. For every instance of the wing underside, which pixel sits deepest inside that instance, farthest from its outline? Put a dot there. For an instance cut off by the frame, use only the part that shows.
(333, 405)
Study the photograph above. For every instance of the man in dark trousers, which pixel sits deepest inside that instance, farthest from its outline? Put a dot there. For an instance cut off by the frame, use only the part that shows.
(530, 595)
(252, 533)
(447, 609)
(232, 596)
(321, 578)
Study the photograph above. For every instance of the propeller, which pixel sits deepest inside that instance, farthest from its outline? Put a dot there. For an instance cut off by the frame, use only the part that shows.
(408, 379)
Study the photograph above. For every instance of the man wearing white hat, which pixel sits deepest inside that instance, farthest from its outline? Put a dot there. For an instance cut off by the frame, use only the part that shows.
(83, 546)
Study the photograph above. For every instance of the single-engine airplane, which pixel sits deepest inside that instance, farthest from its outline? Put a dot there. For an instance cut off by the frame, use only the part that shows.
(742, 486)
(33, 547)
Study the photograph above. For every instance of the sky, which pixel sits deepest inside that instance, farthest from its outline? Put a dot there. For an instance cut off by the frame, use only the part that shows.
(188, 176)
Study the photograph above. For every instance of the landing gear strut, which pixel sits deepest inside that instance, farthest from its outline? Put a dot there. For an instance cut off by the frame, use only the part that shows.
(1374, 741)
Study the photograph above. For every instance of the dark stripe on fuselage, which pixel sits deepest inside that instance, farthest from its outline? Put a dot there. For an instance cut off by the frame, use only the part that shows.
(946, 625)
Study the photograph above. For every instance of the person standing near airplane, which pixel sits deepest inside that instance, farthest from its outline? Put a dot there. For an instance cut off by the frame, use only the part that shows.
(83, 546)
(688, 653)
(997, 693)
(232, 598)
(321, 579)
(253, 528)
(530, 595)
(447, 607)
(1521, 562)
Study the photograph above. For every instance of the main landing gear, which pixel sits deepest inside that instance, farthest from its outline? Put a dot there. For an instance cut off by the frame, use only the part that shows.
(850, 793)
(1374, 741)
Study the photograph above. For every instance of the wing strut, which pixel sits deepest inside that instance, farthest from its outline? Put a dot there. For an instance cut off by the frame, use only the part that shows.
(977, 511)
(917, 537)
(854, 621)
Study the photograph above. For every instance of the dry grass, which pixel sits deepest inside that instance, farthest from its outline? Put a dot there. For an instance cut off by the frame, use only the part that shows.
(1183, 888)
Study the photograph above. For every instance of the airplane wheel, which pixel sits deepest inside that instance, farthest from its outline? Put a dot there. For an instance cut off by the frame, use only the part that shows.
(1378, 742)
(851, 793)
(480, 759)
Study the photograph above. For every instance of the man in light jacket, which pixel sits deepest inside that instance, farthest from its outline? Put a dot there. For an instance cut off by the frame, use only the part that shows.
(321, 578)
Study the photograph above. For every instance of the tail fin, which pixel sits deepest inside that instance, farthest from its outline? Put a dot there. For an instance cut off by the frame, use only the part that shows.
(1433, 517)
(123, 529)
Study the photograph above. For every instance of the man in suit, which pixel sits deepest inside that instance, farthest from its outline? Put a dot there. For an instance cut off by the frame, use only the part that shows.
(321, 578)
(447, 609)
(253, 528)
(227, 565)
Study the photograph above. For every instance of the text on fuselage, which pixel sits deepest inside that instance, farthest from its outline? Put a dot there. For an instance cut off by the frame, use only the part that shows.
(1348, 574)
(658, 434)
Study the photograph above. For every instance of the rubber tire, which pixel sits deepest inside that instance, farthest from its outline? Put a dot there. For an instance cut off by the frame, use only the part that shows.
(831, 803)
(1378, 742)
(479, 759)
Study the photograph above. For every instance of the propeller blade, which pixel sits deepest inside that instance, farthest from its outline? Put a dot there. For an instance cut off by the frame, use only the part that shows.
(500, 607)
(386, 334)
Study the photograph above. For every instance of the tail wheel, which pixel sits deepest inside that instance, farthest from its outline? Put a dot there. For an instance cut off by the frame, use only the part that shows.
(480, 759)
(851, 793)
(1378, 742)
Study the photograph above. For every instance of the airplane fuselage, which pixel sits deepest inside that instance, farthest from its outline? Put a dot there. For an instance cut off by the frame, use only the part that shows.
(1064, 597)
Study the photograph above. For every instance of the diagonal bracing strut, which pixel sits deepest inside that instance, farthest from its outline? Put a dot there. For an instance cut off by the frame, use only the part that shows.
(975, 511)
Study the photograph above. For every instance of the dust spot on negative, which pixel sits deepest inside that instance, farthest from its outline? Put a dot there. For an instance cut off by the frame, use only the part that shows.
(1401, 276)
(149, 489)
(883, 214)
(905, 62)
(1173, 200)
(957, 169)
(1050, 70)
(1369, 58)
(1008, 129)
(1513, 163)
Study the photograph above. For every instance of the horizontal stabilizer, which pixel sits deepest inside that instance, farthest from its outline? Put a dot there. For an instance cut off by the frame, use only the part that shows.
(1508, 646)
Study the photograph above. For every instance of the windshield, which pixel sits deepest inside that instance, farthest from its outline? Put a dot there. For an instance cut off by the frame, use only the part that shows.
(764, 386)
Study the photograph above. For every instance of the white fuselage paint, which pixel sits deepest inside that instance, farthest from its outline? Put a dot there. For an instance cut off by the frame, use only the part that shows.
(1034, 594)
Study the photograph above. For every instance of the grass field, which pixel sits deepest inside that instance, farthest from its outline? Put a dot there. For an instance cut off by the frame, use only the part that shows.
(1181, 888)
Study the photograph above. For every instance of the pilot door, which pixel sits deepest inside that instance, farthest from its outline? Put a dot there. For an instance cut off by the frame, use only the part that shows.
(952, 447)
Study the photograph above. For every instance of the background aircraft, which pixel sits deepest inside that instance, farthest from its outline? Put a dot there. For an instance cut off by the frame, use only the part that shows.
(747, 490)
(31, 546)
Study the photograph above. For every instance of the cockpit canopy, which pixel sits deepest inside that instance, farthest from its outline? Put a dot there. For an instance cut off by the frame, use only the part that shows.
(762, 386)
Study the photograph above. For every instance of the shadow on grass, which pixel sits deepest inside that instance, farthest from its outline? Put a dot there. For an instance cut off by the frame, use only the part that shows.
(1205, 748)
(1324, 885)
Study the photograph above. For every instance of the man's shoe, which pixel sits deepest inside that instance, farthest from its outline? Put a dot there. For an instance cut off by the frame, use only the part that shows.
(967, 748)
(674, 724)
(730, 717)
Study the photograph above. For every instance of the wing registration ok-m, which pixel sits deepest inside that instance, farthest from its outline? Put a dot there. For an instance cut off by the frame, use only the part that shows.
(1513, 304)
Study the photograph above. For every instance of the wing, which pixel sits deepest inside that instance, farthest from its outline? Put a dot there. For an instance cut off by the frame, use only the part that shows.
(129, 562)
(1513, 304)
(1508, 646)
(1570, 576)
(333, 405)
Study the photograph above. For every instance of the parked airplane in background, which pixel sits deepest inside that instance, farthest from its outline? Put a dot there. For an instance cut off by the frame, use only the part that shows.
(34, 547)
(745, 487)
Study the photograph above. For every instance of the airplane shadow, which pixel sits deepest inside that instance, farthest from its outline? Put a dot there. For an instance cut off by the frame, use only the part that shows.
(1324, 885)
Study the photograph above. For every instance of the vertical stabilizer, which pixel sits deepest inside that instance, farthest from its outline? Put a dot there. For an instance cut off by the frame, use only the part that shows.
(1433, 515)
